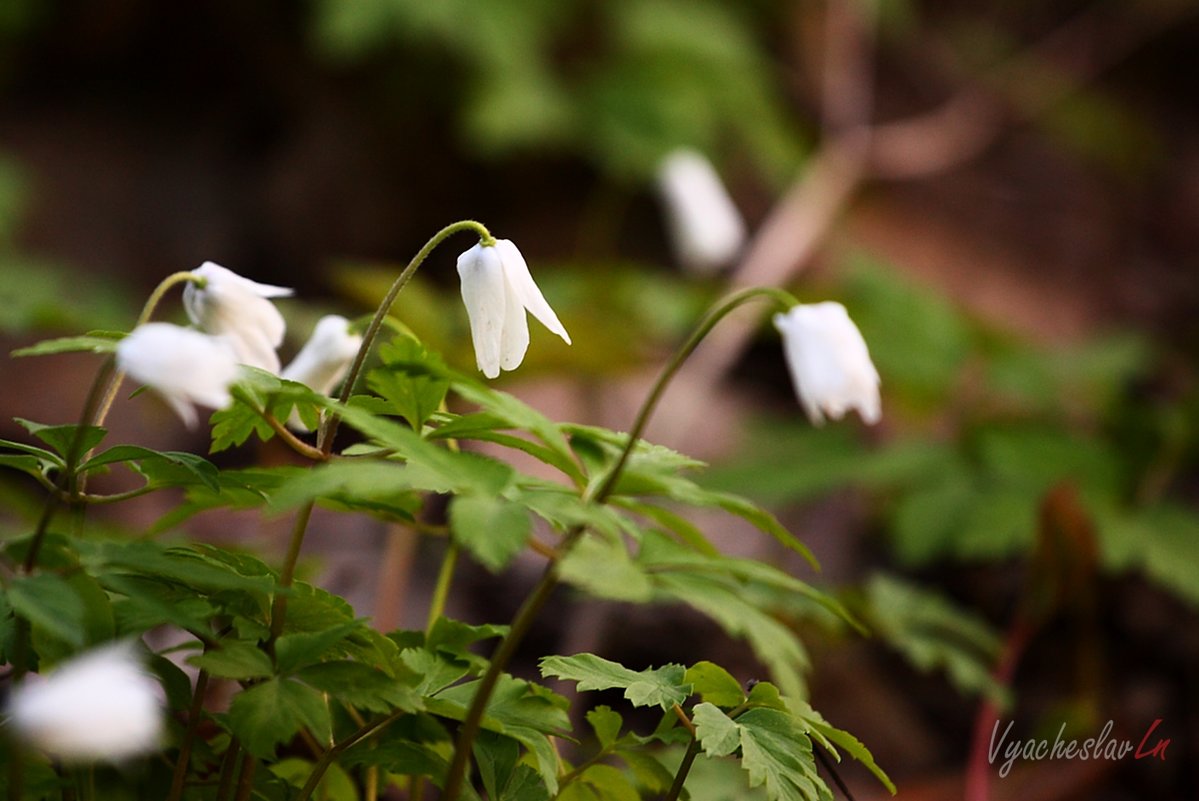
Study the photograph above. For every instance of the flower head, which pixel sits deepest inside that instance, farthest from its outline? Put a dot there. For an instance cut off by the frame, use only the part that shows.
(326, 356)
(829, 363)
(705, 227)
(101, 705)
(184, 366)
(497, 290)
(235, 307)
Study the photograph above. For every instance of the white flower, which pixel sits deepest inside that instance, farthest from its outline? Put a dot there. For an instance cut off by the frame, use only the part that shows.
(829, 362)
(705, 227)
(326, 356)
(497, 290)
(323, 361)
(186, 367)
(235, 307)
(101, 705)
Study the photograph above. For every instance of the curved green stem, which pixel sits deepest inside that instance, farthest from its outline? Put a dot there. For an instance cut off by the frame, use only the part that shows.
(717, 313)
(179, 777)
(287, 576)
(680, 776)
(327, 759)
(471, 724)
(329, 427)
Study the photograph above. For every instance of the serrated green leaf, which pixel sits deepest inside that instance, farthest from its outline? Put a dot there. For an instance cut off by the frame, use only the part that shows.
(296, 650)
(717, 732)
(829, 736)
(650, 774)
(405, 384)
(663, 687)
(40, 453)
(335, 785)
(493, 529)
(777, 754)
(606, 724)
(235, 659)
(605, 782)
(161, 468)
(714, 684)
(361, 686)
(272, 712)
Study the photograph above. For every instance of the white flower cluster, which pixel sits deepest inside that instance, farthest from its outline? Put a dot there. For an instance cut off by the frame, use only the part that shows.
(237, 324)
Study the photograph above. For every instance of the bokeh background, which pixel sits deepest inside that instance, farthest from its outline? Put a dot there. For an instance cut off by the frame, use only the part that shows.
(1004, 194)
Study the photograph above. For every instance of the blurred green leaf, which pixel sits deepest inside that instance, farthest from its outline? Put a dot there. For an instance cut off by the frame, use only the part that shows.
(664, 686)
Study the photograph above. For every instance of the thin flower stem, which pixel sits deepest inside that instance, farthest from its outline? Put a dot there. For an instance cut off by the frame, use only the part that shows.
(329, 427)
(291, 440)
(189, 737)
(441, 592)
(828, 765)
(680, 776)
(245, 780)
(717, 313)
(456, 775)
(228, 768)
(279, 604)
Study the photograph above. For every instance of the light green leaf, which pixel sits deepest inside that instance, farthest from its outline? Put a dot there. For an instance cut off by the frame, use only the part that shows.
(606, 724)
(664, 686)
(716, 731)
(602, 567)
(493, 529)
(96, 342)
(50, 602)
(714, 684)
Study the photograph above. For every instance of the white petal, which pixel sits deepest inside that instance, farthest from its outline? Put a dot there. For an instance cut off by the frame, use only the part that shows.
(829, 362)
(101, 705)
(514, 341)
(706, 229)
(212, 271)
(516, 272)
(182, 365)
(484, 295)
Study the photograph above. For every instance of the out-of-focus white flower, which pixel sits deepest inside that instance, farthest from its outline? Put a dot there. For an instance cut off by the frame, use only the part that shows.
(497, 290)
(829, 362)
(100, 706)
(705, 227)
(323, 361)
(184, 366)
(326, 356)
(231, 306)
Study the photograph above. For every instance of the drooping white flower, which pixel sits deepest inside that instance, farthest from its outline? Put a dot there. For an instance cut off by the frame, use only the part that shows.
(184, 366)
(705, 227)
(237, 308)
(326, 356)
(100, 706)
(497, 290)
(829, 362)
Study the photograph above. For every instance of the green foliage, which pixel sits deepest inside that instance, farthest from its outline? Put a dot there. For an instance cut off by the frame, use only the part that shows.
(662, 686)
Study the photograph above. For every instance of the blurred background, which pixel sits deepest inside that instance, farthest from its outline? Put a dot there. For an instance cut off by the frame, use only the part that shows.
(1004, 194)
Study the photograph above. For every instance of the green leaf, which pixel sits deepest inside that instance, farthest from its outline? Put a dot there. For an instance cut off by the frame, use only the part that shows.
(518, 709)
(601, 782)
(934, 634)
(651, 774)
(96, 342)
(296, 650)
(777, 753)
(606, 724)
(61, 438)
(603, 568)
(235, 659)
(41, 454)
(161, 468)
(664, 686)
(335, 785)
(454, 638)
(50, 602)
(717, 733)
(714, 684)
(829, 736)
(362, 686)
(492, 529)
(272, 712)
(409, 388)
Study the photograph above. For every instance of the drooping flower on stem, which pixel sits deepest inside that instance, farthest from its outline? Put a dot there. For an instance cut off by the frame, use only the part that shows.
(184, 366)
(227, 304)
(498, 289)
(99, 706)
(706, 229)
(829, 362)
(323, 361)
